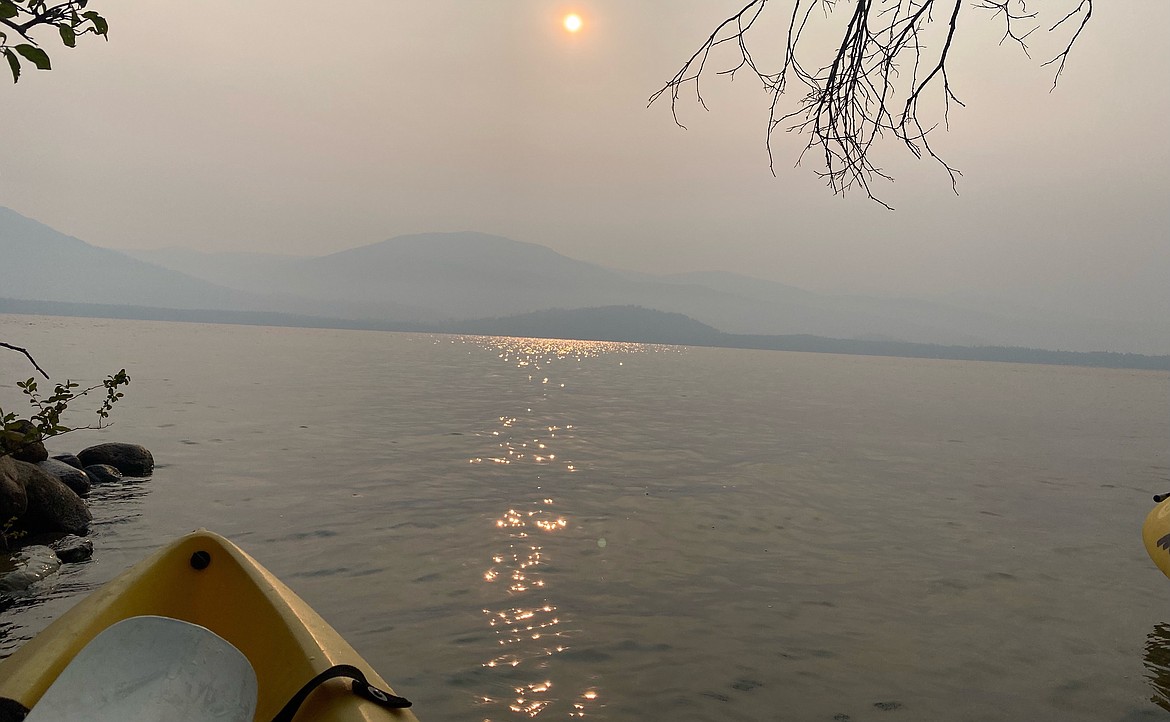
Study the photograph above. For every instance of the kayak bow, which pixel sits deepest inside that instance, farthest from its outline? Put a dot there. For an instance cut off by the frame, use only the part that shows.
(206, 580)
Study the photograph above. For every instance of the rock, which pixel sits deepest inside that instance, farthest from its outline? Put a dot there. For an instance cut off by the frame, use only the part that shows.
(52, 506)
(102, 473)
(75, 479)
(71, 548)
(130, 459)
(13, 499)
(20, 570)
(23, 442)
(69, 459)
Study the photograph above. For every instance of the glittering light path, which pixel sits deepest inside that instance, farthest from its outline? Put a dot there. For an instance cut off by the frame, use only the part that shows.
(529, 628)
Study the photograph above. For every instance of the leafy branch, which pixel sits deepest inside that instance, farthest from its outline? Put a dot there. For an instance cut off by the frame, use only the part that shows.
(9, 533)
(21, 19)
(17, 432)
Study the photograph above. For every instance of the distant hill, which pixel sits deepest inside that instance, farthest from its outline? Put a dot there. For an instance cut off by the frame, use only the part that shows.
(917, 320)
(614, 323)
(469, 275)
(37, 262)
(232, 269)
(189, 315)
(609, 323)
(635, 324)
(433, 277)
(437, 278)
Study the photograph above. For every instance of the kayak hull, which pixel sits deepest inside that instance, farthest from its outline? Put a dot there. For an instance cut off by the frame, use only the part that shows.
(233, 596)
(1156, 535)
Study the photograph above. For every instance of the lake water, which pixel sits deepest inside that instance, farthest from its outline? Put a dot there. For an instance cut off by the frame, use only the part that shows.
(519, 528)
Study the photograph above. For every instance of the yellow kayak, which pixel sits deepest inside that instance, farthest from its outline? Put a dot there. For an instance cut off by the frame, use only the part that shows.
(1156, 533)
(204, 582)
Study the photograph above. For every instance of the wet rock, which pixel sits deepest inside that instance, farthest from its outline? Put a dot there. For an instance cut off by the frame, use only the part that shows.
(20, 570)
(102, 473)
(75, 479)
(69, 459)
(13, 499)
(52, 506)
(130, 459)
(23, 442)
(71, 548)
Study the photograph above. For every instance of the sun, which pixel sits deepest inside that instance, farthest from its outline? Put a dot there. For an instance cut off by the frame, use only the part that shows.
(573, 22)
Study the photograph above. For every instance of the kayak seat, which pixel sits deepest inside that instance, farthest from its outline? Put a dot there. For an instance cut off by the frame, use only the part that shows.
(152, 669)
(158, 669)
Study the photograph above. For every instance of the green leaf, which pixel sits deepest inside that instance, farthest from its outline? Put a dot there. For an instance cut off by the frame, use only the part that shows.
(68, 36)
(99, 23)
(34, 55)
(8, 9)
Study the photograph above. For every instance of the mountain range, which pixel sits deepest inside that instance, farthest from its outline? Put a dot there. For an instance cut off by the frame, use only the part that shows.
(449, 278)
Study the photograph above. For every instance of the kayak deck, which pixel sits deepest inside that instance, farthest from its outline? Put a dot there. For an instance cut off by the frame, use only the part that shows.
(204, 579)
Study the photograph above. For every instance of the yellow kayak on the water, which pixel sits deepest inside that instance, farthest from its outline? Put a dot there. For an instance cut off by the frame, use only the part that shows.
(1156, 533)
(182, 628)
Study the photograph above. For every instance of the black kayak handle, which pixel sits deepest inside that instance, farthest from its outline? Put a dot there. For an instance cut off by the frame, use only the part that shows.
(360, 687)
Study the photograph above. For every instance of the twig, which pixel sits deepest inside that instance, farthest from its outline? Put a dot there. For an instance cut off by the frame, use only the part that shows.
(26, 353)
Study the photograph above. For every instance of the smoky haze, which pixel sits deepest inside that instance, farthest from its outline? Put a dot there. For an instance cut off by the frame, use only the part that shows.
(266, 127)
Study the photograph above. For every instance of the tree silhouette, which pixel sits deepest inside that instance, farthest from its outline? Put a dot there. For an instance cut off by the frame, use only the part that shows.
(20, 20)
(884, 59)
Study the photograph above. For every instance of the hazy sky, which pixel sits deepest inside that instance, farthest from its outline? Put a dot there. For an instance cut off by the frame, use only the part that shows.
(307, 128)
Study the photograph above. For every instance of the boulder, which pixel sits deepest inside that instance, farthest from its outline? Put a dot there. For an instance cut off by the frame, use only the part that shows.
(69, 459)
(71, 548)
(20, 570)
(130, 459)
(102, 473)
(23, 442)
(75, 479)
(13, 499)
(52, 506)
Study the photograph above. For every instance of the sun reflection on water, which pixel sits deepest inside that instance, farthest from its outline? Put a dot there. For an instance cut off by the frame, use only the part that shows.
(529, 629)
(512, 449)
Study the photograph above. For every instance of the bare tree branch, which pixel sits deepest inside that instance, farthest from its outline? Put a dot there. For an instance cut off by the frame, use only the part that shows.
(1085, 7)
(26, 353)
(890, 57)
